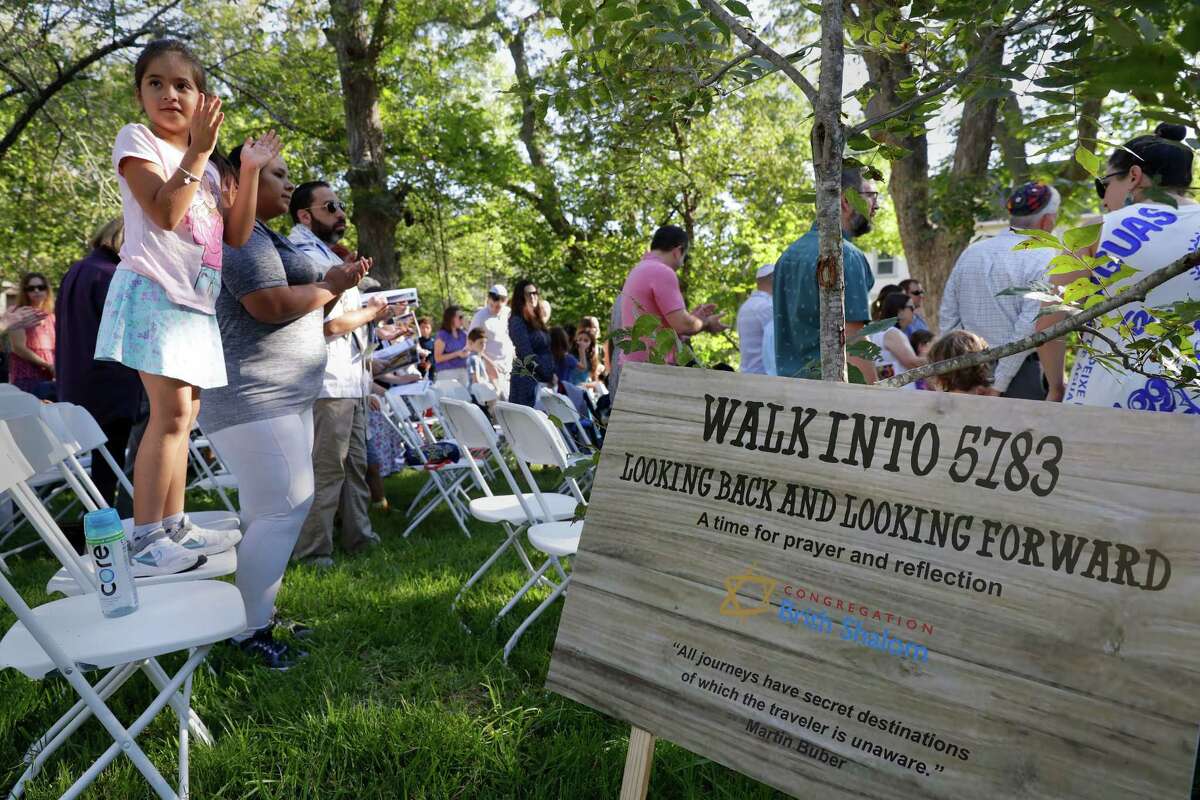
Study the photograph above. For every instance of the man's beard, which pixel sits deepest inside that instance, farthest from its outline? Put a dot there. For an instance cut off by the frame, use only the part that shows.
(329, 234)
(859, 225)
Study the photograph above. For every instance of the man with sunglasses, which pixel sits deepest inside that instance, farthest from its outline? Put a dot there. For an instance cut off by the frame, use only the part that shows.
(339, 414)
(972, 299)
(912, 288)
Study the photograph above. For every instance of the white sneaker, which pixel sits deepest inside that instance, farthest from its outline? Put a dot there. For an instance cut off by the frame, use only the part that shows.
(206, 541)
(164, 557)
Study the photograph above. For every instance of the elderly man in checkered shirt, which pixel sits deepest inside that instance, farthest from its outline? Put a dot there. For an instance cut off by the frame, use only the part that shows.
(971, 298)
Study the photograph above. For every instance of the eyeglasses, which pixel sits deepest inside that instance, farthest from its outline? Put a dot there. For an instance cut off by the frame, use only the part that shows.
(1102, 183)
(37, 287)
(330, 207)
(531, 293)
(917, 292)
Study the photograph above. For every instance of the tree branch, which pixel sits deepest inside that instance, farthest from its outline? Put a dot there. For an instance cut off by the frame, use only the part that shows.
(1135, 292)
(1004, 31)
(761, 48)
(39, 101)
(379, 29)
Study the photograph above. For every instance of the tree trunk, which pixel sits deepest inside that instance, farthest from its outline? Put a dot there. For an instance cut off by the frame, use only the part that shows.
(377, 210)
(931, 249)
(687, 209)
(1012, 146)
(828, 142)
(545, 196)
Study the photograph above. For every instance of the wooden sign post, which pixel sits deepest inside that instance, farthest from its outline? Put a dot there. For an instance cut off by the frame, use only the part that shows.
(848, 592)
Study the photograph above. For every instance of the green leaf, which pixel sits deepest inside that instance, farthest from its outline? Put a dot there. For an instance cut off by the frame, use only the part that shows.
(1090, 161)
(874, 328)
(644, 327)
(860, 142)
(1050, 120)
(856, 200)
(1060, 265)
(1085, 236)
(738, 7)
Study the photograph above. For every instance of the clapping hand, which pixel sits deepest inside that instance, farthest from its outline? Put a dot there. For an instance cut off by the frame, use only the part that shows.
(713, 323)
(257, 153)
(206, 123)
(347, 276)
(21, 318)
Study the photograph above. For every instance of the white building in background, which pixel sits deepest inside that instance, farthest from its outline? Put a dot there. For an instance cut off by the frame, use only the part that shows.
(888, 269)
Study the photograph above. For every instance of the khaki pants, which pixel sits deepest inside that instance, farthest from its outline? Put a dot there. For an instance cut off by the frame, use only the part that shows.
(340, 471)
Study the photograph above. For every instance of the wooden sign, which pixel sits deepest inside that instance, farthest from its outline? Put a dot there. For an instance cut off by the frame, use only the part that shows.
(851, 592)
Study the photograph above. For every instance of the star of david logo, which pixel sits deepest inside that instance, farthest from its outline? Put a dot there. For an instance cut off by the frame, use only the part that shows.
(732, 605)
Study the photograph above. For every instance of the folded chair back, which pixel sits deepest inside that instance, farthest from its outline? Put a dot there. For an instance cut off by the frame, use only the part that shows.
(531, 435)
(533, 440)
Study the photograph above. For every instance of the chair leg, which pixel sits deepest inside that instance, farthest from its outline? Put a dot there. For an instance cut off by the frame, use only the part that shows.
(512, 537)
(158, 676)
(516, 598)
(184, 721)
(537, 612)
(41, 750)
(125, 738)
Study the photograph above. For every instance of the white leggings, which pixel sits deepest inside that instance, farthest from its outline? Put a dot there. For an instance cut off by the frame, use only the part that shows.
(272, 461)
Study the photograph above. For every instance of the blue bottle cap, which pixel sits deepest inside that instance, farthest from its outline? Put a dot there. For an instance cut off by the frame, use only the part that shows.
(101, 521)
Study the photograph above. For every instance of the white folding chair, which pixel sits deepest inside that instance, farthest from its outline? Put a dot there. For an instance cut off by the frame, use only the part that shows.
(48, 482)
(472, 431)
(452, 389)
(483, 394)
(534, 440)
(36, 438)
(443, 485)
(72, 636)
(208, 479)
(578, 452)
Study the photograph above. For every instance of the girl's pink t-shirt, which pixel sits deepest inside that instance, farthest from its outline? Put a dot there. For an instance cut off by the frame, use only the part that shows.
(185, 262)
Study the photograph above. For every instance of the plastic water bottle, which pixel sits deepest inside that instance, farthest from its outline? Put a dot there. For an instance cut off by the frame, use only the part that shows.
(109, 548)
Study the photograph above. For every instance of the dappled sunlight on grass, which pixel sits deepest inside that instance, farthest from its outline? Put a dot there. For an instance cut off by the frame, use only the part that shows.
(395, 700)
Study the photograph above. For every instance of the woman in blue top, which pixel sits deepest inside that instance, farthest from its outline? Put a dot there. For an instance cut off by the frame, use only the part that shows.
(532, 363)
(450, 347)
(565, 364)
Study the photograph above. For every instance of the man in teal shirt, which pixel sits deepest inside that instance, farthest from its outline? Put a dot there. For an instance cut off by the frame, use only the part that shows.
(796, 314)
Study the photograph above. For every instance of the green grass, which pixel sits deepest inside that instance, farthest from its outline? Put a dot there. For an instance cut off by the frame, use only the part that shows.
(396, 699)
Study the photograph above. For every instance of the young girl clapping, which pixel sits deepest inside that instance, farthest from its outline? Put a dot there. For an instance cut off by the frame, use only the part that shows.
(159, 314)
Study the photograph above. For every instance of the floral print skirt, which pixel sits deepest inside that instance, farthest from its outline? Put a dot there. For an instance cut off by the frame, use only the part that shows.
(142, 329)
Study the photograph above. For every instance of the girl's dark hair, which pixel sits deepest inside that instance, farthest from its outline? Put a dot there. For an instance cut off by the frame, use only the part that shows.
(892, 304)
(448, 317)
(1161, 155)
(877, 306)
(161, 47)
(560, 343)
(518, 305)
(968, 379)
(589, 357)
(920, 338)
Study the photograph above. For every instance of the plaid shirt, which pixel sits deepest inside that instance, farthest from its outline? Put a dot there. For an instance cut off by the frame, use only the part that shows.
(970, 300)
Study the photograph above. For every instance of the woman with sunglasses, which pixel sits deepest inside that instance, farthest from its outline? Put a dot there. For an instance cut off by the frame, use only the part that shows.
(450, 350)
(533, 363)
(896, 355)
(1144, 231)
(31, 368)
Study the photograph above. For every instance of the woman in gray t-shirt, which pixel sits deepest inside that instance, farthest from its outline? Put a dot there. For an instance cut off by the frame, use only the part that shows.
(270, 314)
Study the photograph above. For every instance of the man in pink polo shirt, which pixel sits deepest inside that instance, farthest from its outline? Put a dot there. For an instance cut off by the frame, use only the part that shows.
(652, 287)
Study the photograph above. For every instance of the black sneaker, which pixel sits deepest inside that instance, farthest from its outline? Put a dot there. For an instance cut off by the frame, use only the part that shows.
(263, 648)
